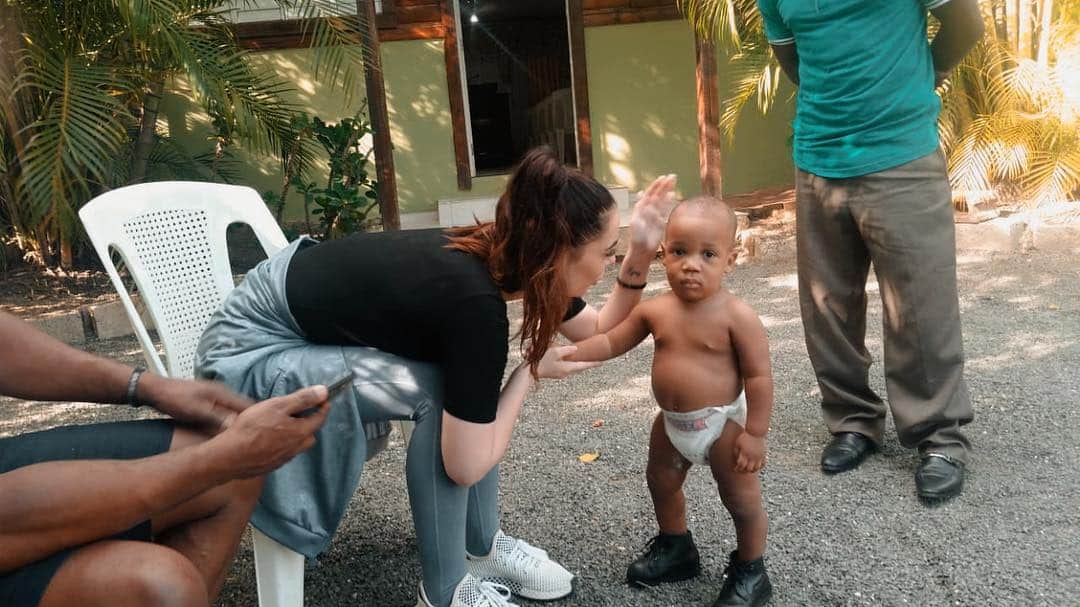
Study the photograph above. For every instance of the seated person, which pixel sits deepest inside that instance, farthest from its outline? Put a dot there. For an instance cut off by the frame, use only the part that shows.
(131, 513)
(712, 379)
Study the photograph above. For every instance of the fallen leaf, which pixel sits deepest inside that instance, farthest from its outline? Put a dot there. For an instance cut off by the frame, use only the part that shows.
(587, 458)
(1054, 307)
(598, 423)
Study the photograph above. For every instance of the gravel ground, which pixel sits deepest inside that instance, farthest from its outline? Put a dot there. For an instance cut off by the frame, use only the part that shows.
(859, 538)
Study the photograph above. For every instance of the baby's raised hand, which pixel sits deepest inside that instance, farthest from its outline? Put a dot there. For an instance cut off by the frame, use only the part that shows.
(749, 453)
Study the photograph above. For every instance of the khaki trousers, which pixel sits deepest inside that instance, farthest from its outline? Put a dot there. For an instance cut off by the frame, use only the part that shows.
(901, 220)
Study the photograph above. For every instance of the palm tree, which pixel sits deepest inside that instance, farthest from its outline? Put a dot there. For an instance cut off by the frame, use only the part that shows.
(738, 27)
(80, 85)
(1010, 114)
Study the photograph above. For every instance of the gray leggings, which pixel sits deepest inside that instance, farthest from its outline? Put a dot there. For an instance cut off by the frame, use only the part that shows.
(254, 345)
(448, 518)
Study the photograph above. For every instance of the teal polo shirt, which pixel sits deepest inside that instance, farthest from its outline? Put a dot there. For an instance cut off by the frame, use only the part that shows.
(866, 98)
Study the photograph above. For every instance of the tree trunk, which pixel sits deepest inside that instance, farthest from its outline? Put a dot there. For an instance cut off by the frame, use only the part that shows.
(1046, 12)
(1012, 23)
(1024, 32)
(710, 167)
(1001, 28)
(66, 257)
(380, 118)
(40, 254)
(144, 144)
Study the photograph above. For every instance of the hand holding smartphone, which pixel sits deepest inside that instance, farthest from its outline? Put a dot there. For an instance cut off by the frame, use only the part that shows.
(333, 389)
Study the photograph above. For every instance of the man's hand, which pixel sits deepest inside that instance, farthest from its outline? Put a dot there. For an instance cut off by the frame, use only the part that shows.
(650, 212)
(209, 405)
(268, 434)
(749, 453)
(554, 366)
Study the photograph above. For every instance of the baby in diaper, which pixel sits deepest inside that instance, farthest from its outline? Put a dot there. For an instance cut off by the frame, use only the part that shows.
(712, 378)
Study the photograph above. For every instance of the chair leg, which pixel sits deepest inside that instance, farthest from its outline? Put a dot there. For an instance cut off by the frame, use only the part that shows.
(406, 427)
(279, 573)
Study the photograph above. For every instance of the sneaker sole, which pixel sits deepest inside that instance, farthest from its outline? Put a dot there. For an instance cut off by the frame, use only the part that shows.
(544, 597)
(667, 579)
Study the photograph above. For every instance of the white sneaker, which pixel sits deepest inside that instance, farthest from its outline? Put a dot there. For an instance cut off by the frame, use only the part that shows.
(471, 592)
(524, 569)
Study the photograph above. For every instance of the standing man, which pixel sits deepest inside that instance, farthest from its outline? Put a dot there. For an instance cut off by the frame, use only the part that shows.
(131, 514)
(872, 187)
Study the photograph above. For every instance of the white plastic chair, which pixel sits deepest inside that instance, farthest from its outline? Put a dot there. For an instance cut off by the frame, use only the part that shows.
(171, 237)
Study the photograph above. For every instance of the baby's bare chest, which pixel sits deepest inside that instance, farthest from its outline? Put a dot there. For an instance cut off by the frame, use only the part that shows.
(707, 336)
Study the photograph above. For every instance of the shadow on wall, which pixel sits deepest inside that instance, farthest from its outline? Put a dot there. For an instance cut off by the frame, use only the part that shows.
(184, 119)
(420, 123)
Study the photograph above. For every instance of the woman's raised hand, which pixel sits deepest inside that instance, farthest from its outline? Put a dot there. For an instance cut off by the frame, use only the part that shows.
(650, 212)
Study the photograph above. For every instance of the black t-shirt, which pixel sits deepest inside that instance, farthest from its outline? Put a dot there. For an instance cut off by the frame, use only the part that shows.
(407, 294)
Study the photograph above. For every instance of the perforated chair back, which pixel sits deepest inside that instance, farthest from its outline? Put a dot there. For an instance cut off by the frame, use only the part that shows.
(171, 238)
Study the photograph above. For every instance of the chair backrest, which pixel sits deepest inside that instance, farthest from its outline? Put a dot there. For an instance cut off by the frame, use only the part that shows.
(171, 237)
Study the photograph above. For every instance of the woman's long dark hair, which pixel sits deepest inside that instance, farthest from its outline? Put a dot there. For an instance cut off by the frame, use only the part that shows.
(546, 211)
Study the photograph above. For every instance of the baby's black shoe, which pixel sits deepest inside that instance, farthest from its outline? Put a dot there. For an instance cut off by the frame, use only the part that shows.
(667, 558)
(746, 585)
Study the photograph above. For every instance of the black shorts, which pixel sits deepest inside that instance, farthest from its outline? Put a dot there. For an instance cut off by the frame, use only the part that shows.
(120, 440)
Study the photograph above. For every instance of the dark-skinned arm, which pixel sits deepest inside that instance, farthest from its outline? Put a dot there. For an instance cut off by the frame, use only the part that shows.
(35, 366)
(752, 348)
(788, 58)
(55, 505)
(50, 506)
(961, 29)
(619, 340)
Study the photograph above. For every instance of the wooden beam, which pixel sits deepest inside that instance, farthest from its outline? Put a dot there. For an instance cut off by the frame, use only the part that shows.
(627, 14)
(422, 20)
(576, 18)
(708, 117)
(380, 118)
(457, 99)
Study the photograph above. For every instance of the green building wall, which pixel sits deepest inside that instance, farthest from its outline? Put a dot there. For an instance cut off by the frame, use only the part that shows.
(642, 111)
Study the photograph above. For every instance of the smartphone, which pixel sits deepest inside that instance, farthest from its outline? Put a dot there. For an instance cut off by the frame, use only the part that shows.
(340, 384)
(332, 390)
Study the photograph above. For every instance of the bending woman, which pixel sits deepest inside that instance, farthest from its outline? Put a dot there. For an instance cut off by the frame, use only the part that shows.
(420, 318)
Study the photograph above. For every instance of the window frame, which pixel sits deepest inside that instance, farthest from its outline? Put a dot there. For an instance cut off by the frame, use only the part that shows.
(464, 158)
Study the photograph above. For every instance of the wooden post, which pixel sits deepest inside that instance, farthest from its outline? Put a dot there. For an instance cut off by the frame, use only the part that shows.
(454, 85)
(377, 113)
(576, 18)
(708, 116)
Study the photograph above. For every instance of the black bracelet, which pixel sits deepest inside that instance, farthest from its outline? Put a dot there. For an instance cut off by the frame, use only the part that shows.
(627, 285)
(133, 385)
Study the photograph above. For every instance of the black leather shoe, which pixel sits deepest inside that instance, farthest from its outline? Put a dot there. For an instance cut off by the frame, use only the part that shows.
(746, 585)
(845, 452)
(939, 478)
(667, 558)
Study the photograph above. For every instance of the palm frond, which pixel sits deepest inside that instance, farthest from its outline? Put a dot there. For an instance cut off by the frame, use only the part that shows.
(728, 21)
(335, 36)
(1053, 177)
(81, 125)
(754, 75)
(252, 101)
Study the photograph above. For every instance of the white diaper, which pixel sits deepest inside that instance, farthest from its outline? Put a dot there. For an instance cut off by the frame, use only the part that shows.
(693, 433)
